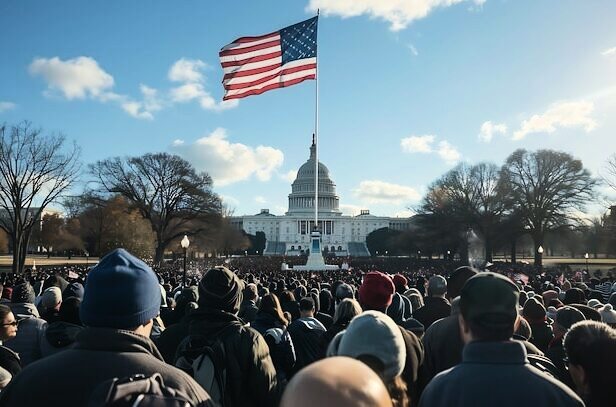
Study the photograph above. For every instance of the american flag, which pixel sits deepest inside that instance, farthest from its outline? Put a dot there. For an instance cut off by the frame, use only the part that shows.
(253, 65)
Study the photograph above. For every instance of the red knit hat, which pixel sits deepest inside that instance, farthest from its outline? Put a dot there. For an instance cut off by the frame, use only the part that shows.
(400, 282)
(377, 291)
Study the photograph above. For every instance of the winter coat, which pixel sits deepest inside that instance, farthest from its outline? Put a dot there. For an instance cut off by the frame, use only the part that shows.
(279, 342)
(251, 377)
(324, 319)
(542, 334)
(9, 361)
(307, 334)
(68, 378)
(30, 339)
(434, 309)
(248, 311)
(60, 336)
(496, 374)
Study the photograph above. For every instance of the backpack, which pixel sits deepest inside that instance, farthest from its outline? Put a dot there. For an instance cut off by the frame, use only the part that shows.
(204, 359)
(138, 390)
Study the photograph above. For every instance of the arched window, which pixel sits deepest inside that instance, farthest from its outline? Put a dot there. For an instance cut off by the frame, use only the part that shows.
(333, 248)
(292, 247)
(339, 248)
(299, 248)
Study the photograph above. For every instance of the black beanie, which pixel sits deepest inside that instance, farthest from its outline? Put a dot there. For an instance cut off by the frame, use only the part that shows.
(23, 293)
(221, 289)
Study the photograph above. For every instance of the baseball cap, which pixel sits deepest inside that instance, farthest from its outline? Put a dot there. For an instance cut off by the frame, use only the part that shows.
(489, 299)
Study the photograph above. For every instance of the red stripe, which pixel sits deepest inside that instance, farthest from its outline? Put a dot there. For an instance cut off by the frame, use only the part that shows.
(267, 78)
(258, 58)
(269, 87)
(242, 40)
(249, 72)
(248, 49)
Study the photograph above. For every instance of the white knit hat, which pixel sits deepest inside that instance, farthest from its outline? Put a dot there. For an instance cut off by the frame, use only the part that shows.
(375, 334)
(608, 315)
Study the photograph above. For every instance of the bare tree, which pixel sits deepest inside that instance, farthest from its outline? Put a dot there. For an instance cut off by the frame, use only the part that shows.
(34, 171)
(548, 187)
(167, 191)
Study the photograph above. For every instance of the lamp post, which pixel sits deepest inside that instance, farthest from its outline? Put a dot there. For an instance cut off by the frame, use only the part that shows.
(185, 243)
(540, 251)
(448, 254)
(586, 257)
(419, 254)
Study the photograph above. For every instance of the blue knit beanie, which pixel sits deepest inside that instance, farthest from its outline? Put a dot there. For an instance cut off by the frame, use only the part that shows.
(121, 292)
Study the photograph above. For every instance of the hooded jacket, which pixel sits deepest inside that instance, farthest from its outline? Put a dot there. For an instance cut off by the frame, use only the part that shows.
(29, 342)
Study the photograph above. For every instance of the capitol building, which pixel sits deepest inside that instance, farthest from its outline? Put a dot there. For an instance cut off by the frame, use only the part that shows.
(289, 234)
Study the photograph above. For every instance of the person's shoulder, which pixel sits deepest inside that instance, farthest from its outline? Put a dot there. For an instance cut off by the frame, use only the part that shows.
(549, 382)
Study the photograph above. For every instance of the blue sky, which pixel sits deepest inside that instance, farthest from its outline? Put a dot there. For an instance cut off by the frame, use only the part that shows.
(406, 88)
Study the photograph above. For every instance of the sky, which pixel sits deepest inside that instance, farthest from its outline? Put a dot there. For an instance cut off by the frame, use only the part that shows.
(406, 89)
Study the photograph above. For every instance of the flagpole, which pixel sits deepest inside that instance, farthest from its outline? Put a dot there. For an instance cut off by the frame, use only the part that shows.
(316, 143)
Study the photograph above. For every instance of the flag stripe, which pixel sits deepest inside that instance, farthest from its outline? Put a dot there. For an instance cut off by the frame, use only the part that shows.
(254, 58)
(234, 79)
(248, 72)
(236, 69)
(269, 87)
(245, 40)
(278, 82)
(279, 72)
(255, 47)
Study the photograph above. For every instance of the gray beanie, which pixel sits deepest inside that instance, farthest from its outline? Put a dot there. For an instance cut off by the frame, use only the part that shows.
(375, 334)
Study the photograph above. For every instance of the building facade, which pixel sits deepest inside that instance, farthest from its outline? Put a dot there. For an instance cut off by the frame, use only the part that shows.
(289, 234)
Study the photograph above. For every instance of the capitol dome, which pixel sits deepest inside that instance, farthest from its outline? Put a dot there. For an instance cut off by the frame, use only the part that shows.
(301, 198)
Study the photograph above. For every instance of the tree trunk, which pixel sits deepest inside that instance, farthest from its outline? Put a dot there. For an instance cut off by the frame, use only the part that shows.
(488, 249)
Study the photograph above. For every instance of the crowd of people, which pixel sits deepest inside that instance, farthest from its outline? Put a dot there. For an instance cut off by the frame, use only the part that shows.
(381, 332)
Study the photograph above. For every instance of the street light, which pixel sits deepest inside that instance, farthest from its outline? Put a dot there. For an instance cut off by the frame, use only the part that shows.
(448, 254)
(185, 243)
(586, 257)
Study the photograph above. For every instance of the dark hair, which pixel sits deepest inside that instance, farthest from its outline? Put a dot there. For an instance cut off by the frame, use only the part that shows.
(270, 305)
(306, 304)
(287, 296)
(491, 332)
(396, 387)
(4, 311)
(592, 345)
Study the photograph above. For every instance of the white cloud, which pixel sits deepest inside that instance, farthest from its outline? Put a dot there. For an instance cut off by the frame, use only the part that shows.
(75, 78)
(417, 144)
(399, 13)
(350, 210)
(424, 145)
(374, 191)
(609, 52)
(260, 199)
(568, 114)
(4, 106)
(405, 213)
(228, 162)
(448, 152)
(186, 70)
(289, 175)
(413, 49)
(189, 73)
(489, 129)
(177, 142)
(135, 109)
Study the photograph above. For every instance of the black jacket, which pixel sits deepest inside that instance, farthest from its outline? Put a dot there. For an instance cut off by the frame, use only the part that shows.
(251, 377)
(434, 309)
(69, 377)
(9, 360)
(279, 342)
(307, 335)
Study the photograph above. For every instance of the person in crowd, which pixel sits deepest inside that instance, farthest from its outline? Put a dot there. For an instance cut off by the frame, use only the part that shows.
(62, 333)
(345, 312)
(323, 318)
(250, 374)
(491, 360)
(336, 382)
(49, 304)
(30, 336)
(436, 305)
(374, 338)
(343, 290)
(289, 304)
(271, 323)
(327, 302)
(307, 334)
(401, 284)
(248, 308)
(376, 293)
(591, 356)
(565, 317)
(535, 313)
(9, 360)
(608, 315)
(415, 298)
(115, 342)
